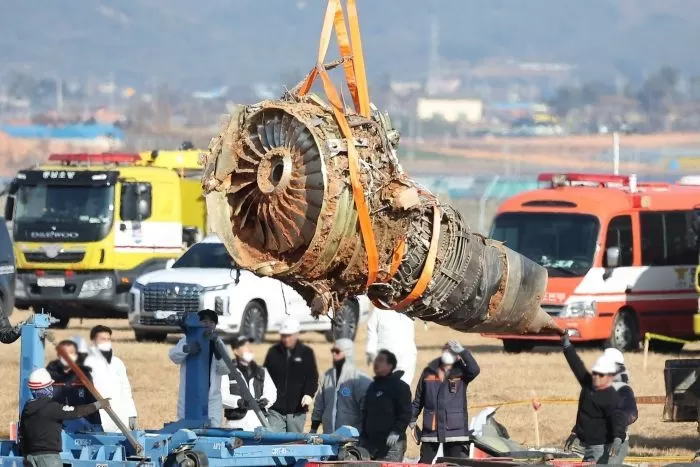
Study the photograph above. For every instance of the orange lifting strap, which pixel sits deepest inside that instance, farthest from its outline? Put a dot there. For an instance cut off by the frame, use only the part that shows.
(350, 46)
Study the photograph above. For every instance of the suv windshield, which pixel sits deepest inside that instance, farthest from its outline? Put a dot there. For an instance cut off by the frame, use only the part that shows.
(206, 255)
(562, 243)
(62, 204)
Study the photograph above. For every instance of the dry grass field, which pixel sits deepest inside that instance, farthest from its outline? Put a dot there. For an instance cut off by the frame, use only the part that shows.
(503, 378)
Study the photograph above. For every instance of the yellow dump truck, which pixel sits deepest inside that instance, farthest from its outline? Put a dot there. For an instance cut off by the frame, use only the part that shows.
(85, 226)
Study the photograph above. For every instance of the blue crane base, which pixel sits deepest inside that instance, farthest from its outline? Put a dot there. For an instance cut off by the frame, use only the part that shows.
(185, 443)
(193, 448)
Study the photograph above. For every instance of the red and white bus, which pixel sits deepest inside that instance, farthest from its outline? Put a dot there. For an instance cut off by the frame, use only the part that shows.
(621, 257)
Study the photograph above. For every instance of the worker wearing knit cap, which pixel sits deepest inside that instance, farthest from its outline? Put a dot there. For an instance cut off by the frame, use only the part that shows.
(42, 419)
(341, 394)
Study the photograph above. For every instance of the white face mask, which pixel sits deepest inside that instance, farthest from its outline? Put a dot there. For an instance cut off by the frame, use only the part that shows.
(104, 346)
(248, 357)
(447, 357)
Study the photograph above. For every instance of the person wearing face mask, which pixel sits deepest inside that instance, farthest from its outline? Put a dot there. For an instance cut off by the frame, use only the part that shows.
(441, 394)
(600, 420)
(68, 389)
(42, 420)
(217, 368)
(236, 411)
(341, 394)
(111, 379)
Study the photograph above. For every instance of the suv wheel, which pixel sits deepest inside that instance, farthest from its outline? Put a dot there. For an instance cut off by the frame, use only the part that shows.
(254, 322)
(142, 336)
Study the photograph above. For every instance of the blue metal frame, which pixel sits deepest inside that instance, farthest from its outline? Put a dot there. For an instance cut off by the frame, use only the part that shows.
(31, 353)
(222, 447)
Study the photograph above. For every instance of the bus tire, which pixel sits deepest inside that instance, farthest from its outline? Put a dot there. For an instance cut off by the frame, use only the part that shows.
(624, 334)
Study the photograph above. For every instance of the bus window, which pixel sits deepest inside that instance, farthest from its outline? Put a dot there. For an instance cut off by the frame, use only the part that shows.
(667, 238)
(620, 235)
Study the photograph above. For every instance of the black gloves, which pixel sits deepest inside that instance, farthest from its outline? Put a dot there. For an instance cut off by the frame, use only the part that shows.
(262, 403)
(565, 342)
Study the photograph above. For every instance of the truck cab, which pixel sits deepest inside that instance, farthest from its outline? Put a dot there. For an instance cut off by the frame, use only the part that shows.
(86, 225)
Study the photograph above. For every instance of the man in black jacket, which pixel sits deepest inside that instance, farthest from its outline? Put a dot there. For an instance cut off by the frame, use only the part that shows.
(441, 394)
(292, 367)
(42, 419)
(68, 389)
(387, 411)
(600, 421)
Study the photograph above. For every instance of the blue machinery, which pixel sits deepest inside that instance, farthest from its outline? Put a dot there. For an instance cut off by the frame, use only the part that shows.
(185, 443)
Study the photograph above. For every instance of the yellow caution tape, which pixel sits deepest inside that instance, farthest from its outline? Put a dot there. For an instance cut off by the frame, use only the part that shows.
(646, 400)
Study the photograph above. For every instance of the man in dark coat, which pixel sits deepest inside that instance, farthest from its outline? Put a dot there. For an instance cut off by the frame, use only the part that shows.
(42, 420)
(68, 389)
(600, 421)
(441, 394)
(387, 411)
(292, 367)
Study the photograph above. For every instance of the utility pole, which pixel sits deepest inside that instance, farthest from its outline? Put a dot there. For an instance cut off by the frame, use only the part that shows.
(111, 92)
(59, 95)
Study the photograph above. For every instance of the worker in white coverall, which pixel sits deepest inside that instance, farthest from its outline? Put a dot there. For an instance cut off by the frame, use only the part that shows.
(111, 380)
(237, 412)
(217, 368)
(387, 329)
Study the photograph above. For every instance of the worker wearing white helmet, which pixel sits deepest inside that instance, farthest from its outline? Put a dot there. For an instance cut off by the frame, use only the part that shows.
(292, 367)
(42, 419)
(600, 421)
(629, 404)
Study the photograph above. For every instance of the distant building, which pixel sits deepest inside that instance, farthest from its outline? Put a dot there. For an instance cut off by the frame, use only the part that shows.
(450, 109)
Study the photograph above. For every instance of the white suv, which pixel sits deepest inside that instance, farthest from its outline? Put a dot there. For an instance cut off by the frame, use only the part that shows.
(205, 276)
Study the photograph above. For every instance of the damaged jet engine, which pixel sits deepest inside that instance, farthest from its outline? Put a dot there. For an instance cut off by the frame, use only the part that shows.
(307, 191)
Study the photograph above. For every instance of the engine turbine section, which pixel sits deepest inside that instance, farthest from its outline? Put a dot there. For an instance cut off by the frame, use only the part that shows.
(280, 195)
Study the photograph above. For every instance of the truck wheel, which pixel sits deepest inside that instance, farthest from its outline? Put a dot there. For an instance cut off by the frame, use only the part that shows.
(142, 336)
(254, 322)
(345, 322)
(517, 346)
(625, 332)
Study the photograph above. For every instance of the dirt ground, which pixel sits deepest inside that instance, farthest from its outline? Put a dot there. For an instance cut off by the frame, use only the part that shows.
(503, 378)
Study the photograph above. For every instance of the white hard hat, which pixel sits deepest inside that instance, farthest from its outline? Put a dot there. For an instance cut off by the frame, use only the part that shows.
(615, 355)
(39, 379)
(289, 326)
(605, 366)
(80, 344)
